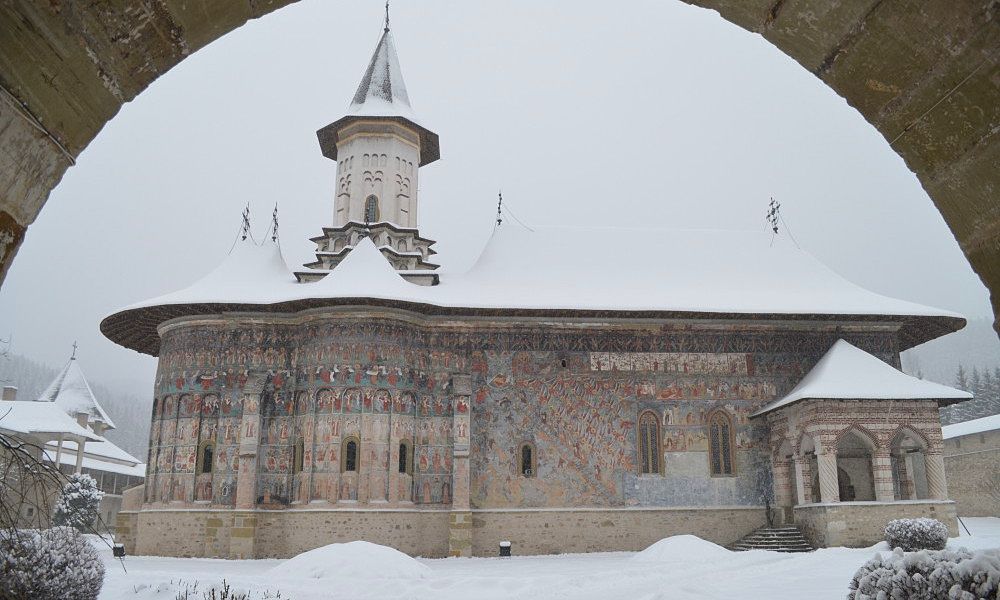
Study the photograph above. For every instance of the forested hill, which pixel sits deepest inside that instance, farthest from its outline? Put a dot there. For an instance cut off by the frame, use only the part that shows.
(129, 412)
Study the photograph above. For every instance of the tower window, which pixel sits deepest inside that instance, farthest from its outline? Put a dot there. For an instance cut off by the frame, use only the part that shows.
(371, 209)
(350, 455)
(528, 460)
(649, 443)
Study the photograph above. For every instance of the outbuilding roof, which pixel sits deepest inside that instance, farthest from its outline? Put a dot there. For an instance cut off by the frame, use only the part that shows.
(982, 425)
(71, 392)
(848, 373)
(556, 272)
(40, 419)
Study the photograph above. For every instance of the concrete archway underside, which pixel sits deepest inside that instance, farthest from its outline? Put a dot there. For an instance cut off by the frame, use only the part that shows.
(925, 74)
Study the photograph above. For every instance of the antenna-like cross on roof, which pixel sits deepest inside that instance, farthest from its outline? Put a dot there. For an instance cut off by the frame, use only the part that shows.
(274, 223)
(246, 222)
(73, 357)
(499, 205)
(774, 214)
(386, 15)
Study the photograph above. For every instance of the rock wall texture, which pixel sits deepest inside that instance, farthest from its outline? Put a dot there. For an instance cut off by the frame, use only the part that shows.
(862, 524)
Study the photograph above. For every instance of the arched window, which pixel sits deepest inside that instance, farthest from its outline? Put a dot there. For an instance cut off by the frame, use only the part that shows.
(297, 457)
(349, 455)
(649, 443)
(720, 443)
(371, 209)
(206, 457)
(528, 460)
(405, 462)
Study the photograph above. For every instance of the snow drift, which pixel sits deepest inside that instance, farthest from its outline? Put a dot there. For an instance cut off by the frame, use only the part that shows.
(362, 560)
(680, 548)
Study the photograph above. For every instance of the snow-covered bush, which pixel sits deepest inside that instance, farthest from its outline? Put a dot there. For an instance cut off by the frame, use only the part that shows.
(49, 564)
(928, 575)
(916, 534)
(79, 503)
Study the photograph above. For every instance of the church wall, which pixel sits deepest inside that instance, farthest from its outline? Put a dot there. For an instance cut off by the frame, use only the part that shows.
(973, 466)
(574, 391)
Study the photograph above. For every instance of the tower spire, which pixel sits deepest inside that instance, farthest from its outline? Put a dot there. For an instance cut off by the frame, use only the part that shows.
(386, 16)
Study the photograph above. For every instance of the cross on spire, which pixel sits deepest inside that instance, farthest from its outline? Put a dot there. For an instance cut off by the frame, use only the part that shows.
(246, 223)
(773, 214)
(274, 223)
(386, 15)
(499, 205)
(73, 357)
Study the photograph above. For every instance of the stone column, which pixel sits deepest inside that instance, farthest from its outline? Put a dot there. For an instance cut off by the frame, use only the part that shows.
(803, 480)
(784, 495)
(460, 523)
(882, 474)
(937, 485)
(907, 485)
(829, 490)
(241, 544)
(79, 455)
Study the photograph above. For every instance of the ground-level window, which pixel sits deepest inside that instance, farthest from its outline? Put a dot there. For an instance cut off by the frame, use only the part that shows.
(720, 443)
(649, 443)
(350, 455)
(528, 460)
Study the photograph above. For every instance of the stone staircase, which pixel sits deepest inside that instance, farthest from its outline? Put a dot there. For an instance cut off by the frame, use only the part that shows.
(778, 539)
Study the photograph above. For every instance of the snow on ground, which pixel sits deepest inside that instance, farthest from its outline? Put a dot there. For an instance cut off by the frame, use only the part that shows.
(679, 568)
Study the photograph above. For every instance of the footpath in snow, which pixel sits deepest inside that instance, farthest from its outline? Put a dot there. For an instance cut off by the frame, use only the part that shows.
(676, 568)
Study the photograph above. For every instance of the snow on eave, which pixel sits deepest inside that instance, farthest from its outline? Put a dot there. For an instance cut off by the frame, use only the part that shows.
(40, 419)
(848, 373)
(990, 423)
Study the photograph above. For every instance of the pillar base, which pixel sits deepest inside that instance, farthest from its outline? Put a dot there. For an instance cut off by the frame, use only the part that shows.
(460, 534)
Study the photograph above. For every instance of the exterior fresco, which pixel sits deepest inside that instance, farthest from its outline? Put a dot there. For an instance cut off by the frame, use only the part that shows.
(574, 392)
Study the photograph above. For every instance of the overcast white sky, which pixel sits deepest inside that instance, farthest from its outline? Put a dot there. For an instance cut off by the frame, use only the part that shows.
(647, 112)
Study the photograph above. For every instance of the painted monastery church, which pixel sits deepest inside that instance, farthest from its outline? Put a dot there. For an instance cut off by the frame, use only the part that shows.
(566, 405)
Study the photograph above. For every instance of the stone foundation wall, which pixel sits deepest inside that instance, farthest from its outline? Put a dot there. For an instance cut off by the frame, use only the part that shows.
(973, 466)
(582, 530)
(861, 524)
(282, 534)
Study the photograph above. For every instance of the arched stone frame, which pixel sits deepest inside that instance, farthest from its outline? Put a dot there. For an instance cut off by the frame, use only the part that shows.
(865, 472)
(527, 459)
(721, 443)
(908, 463)
(345, 446)
(649, 443)
(806, 462)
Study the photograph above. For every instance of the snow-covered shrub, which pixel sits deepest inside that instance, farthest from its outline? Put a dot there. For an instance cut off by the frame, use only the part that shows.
(928, 575)
(916, 534)
(49, 564)
(79, 503)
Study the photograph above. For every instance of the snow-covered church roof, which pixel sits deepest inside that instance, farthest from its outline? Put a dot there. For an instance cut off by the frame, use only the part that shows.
(543, 272)
(848, 373)
(40, 420)
(382, 95)
(71, 392)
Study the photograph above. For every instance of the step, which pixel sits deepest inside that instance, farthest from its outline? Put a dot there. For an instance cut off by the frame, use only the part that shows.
(776, 539)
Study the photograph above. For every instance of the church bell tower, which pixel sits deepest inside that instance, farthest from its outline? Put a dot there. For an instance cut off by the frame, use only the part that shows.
(379, 146)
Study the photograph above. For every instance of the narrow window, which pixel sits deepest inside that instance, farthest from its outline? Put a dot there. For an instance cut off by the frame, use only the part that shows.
(297, 457)
(527, 460)
(404, 458)
(350, 455)
(371, 209)
(649, 443)
(206, 458)
(720, 431)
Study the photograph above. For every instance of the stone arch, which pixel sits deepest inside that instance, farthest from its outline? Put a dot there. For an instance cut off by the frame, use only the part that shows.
(855, 451)
(908, 463)
(860, 51)
(862, 432)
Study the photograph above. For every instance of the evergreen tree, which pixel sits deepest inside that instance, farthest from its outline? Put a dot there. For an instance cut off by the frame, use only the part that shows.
(79, 503)
(961, 380)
